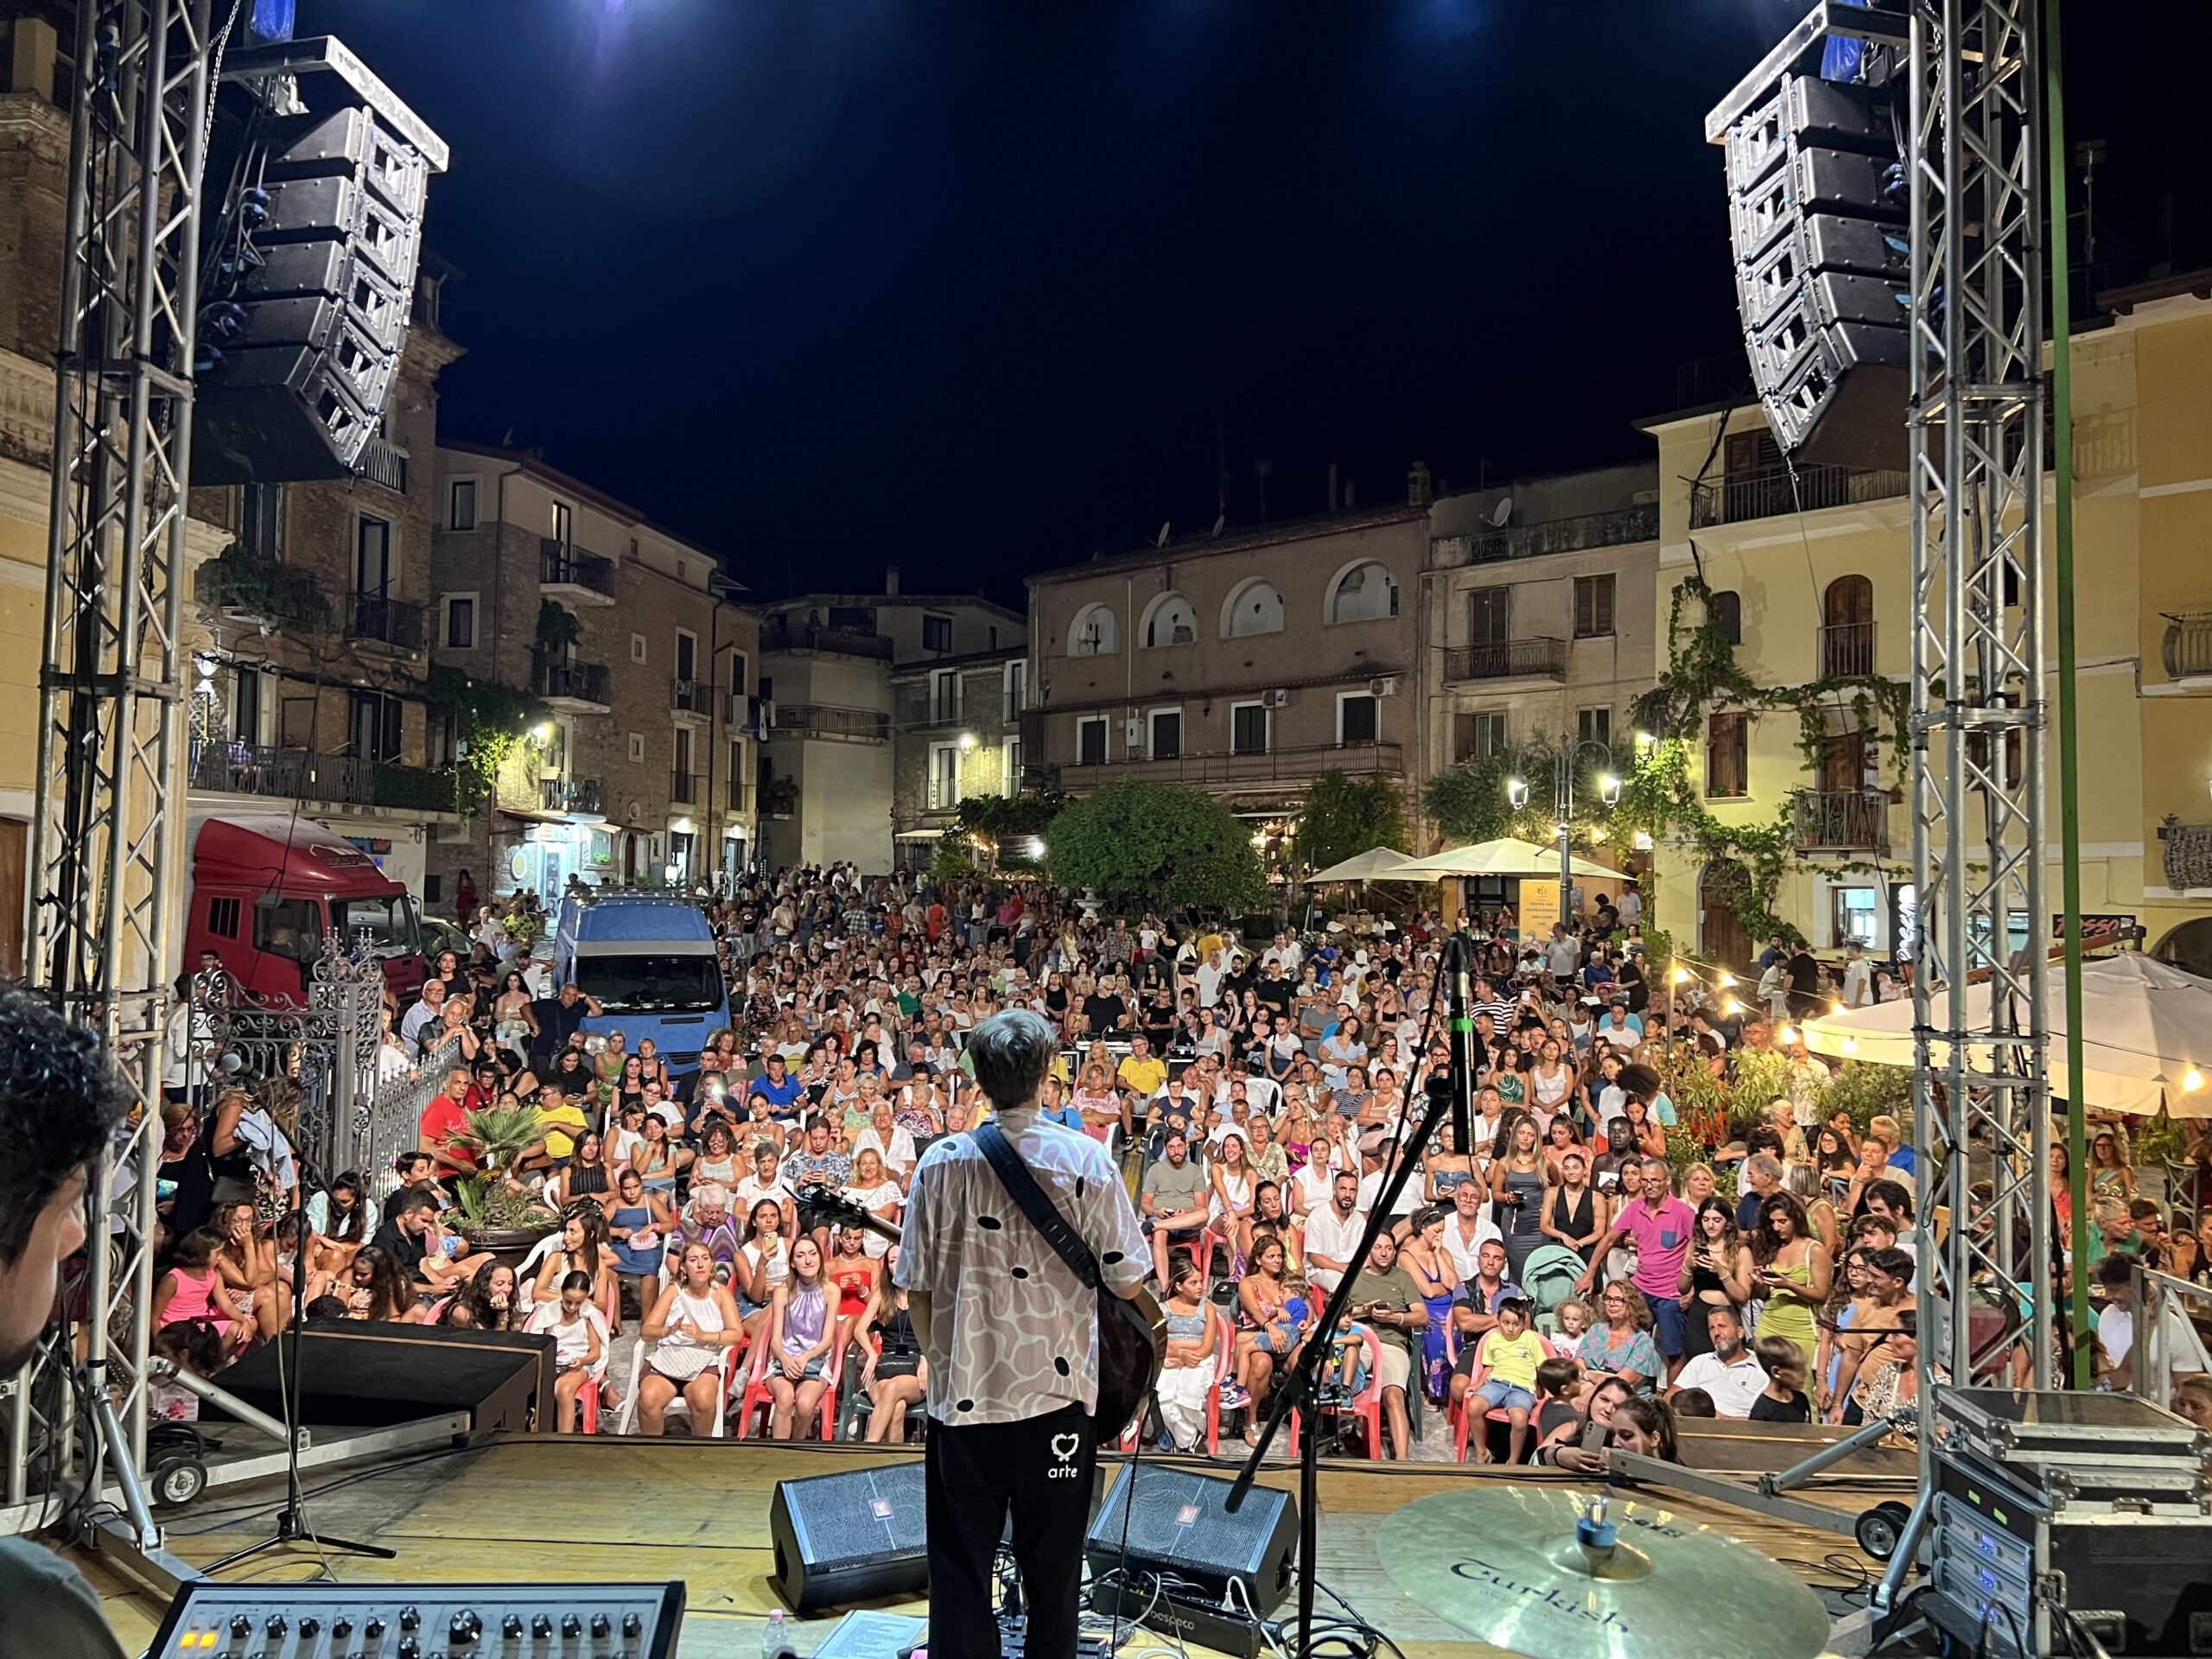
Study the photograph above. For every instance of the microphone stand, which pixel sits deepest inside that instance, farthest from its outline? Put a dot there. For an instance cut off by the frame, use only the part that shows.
(1300, 1387)
(292, 1521)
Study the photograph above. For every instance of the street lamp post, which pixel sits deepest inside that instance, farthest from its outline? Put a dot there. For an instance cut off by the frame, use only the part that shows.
(1564, 755)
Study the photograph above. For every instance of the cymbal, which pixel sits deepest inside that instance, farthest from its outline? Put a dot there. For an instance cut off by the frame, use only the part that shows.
(1504, 1563)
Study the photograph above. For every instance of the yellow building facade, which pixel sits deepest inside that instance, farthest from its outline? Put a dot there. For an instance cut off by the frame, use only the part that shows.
(1811, 575)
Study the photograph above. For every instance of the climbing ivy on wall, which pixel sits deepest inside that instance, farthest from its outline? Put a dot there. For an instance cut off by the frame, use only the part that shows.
(1744, 862)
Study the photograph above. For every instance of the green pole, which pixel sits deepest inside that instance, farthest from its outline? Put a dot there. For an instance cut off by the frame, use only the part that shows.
(2069, 774)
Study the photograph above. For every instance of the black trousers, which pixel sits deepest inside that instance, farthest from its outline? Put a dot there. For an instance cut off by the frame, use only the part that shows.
(976, 1478)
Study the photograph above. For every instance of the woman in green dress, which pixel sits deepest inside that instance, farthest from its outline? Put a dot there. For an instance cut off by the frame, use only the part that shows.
(1791, 1270)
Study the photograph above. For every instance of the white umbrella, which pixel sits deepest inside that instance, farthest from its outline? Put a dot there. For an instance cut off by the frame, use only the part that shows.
(1505, 856)
(2146, 1031)
(1376, 861)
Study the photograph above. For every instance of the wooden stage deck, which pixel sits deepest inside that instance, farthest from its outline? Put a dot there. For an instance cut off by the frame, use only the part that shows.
(551, 1507)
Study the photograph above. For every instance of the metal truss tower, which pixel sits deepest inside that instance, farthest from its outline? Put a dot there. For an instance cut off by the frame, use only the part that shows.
(107, 837)
(1981, 1107)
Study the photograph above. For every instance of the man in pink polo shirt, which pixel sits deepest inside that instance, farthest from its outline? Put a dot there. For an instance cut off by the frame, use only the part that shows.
(1661, 1224)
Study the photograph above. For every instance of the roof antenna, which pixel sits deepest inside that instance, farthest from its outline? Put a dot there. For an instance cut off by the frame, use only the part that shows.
(1161, 539)
(1220, 523)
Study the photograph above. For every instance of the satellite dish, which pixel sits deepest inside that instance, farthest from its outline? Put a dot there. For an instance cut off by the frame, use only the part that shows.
(1161, 540)
(1219, 523)
(1501, 512)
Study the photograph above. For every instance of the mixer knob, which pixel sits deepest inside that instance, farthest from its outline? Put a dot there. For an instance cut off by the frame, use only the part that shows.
(374, 1629)
(276, 1625)
(464, 1628)
(409, 1648)
(571, 1625)
(310, 1626)
(601, 1625)
(410, 1618)
(241, 1626)
(631, 1625)
(541, 1626)
(511, 1627)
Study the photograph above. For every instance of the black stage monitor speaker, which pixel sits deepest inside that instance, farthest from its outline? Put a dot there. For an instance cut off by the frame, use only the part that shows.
(1816, 214)
(372, 1375)
(1180, 1527)
(306, 315)
(851, 1537)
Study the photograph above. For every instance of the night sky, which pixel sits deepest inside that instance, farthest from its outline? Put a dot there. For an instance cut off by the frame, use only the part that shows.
(979, 288)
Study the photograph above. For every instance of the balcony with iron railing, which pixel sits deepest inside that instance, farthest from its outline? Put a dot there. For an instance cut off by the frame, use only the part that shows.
(1769, 493)
(691, 697)
(1846, 651)
(579, 576)
(783, 633)
(825, 720)
(684, 788)
(384, 462)
(2188, 649)
(378, 619)
(575, 687)
(1220, 768)
(279, 773)
(1841, 820)
(586, 796)
(1541, 658)
(1618, 528)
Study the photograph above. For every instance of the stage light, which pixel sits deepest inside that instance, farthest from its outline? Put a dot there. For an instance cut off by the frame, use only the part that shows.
(1728, 1005)
(1836, 1005)
(1850, 1046)
(1727, 979)
(1786, 1036)
(1681, 974)
(2191, 1080)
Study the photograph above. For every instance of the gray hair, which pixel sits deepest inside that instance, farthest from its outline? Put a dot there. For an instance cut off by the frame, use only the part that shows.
(1011, 1052)
(1764, 1163)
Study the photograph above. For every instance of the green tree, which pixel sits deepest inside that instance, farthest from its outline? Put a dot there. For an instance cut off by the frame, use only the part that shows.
(489, 720)
(1000, 819)
(1141, 844)
(1343, 817)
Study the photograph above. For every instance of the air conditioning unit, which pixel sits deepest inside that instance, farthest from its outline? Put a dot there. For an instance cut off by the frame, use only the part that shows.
(1276, 699)
(1133, 732)
(1386, 686)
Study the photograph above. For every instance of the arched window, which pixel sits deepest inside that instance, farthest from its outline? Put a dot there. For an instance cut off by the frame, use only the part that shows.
(1847, 628)
(1169, 620)
(1254, 608)
(1726, 607)
(2188, 946)
(1094, 633)
(1366, 593)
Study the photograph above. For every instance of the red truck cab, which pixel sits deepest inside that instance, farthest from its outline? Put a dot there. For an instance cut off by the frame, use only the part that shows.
(266, 887)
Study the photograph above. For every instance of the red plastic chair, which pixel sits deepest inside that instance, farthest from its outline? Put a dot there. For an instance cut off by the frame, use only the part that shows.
(757, 1405)
(1366, 1405)
(1461, 1419)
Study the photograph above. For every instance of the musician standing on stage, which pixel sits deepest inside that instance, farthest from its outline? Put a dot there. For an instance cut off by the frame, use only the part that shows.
(1011, 1340)
(60, 1099)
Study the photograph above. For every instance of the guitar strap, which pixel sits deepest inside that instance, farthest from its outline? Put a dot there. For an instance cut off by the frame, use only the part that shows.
(1031, 1200)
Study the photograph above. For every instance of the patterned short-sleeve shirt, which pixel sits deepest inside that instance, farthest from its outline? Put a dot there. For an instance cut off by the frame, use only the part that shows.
(1013, 1333)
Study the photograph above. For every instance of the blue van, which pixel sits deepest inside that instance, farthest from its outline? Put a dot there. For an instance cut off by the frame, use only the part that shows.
(650, 961)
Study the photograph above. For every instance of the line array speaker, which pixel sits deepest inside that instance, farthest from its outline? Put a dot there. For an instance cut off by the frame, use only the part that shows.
(1816, 216)
(304, 331)
(851, 1537)
(1179, 1527)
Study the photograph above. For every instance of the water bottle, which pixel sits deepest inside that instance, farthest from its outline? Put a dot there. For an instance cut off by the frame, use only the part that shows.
(776, 1640)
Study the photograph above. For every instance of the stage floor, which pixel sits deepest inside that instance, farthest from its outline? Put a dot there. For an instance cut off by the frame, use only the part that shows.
(546, 1507)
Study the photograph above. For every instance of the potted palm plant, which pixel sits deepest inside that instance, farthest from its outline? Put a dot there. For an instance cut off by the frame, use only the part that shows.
(499, 1211)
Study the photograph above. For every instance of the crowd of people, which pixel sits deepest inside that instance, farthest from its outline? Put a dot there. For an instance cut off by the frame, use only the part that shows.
(1579, 1273)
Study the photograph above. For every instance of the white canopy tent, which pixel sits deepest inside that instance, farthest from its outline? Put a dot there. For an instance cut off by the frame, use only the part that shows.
(1375, 864)
(1508, 855)
(2146, 1031)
